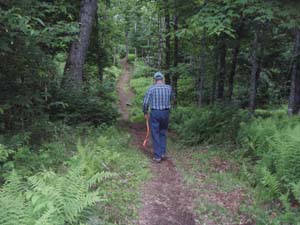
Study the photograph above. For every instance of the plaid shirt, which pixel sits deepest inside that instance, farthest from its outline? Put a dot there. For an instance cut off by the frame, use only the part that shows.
(158, 97)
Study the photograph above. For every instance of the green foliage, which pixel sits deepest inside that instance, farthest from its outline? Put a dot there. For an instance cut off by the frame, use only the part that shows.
(140, 83)
(270, 182)
(142, 70)
(140, 87)
(288, 148)
(35, 36)
(93, 103)
(112, 72)
(101, 171)
(296, 191)
(131, 58)
(186, 91)
(4, 153)
(29, 38)
(48, 198)
(273, 144)
(28, 153)
(207, 125)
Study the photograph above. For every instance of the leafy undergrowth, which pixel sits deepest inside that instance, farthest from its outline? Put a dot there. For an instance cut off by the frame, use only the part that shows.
(139, 84)
(223, 197)
(95, 182)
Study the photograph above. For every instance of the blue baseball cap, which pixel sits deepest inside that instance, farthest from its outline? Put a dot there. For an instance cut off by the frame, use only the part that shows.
(158, 76)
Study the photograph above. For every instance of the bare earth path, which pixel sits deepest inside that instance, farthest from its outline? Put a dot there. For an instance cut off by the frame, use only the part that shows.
(165, 199)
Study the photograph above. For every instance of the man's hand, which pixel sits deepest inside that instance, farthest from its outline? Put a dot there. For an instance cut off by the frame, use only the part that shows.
(146, 116)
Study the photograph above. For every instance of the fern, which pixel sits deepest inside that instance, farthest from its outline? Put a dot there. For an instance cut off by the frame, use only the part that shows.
(98, 177)
(13, 207)
(247, 175)
(285, 201)
(288, 147)
(70, 197)
(270, 182)
(296, 190)
(49, 198)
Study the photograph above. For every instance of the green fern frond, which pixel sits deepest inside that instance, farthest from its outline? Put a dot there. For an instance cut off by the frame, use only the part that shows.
(296, 190)
(269, 181)
(99, 177)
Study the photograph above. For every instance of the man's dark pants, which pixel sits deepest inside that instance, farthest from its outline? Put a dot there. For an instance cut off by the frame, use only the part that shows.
(159, 121)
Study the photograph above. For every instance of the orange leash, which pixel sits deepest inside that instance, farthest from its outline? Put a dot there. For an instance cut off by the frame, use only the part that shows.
(148, 133)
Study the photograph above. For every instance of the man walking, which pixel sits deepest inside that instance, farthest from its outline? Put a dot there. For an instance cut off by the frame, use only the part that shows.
(158, 98)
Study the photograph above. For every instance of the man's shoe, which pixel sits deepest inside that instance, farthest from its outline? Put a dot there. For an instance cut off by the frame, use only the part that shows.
(164, 157)
(157, 160)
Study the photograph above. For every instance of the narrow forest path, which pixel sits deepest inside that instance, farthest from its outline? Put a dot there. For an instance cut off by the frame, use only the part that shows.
(165, 199)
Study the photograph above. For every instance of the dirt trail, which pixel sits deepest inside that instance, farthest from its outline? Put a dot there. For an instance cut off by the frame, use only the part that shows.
(165, 199)
(124, 92)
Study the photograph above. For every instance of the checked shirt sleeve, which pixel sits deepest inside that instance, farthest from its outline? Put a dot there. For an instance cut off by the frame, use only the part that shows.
(146, 101)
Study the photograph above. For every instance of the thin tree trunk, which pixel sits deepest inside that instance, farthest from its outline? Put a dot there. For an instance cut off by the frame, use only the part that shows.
(160, 44)
(148, 52)
(175, 75)
(294, 101)
(214, 81)
(73, 73)
(98, 48)
(222, 70)
(135, 49)
(127, 45)
(115, 56)
(235, 54)
(200, 81)
(231, 77)
(168, 43)
(254, 73)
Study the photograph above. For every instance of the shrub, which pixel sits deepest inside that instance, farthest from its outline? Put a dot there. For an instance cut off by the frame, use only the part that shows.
(112, 72)
(206, 125)
(263, 113)
(131, 58)
(139, 85)
(142, 70)
(92, 104)
(186, 91)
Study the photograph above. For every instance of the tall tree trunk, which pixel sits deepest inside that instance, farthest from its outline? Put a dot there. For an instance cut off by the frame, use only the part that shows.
(73, 73)
(98, 47)
(200, 81)
(175, 75)
(214, 81)
(254, 73)
(160, 44)
(127, 45)
(115, 56)
(168, 43)
(135, 48)
(148, 52)
(235, 54)
(294, 101)
(222, 69)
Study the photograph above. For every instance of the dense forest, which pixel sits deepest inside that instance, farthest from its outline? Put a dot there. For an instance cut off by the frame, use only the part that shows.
(234, 67)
